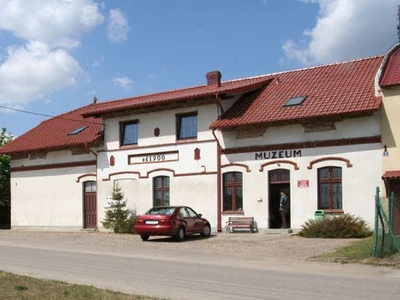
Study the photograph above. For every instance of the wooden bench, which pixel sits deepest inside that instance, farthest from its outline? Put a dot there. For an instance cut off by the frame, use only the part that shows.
(240, 223)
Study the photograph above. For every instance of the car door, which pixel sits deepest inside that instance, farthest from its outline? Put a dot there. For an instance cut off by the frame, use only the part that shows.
(187, 220)
(198, 224)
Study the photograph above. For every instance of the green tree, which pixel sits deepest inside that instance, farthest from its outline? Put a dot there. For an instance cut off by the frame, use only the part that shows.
(118, 216)
(5, 194)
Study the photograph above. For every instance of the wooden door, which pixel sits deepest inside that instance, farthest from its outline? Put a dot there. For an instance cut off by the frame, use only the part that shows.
(90, 204)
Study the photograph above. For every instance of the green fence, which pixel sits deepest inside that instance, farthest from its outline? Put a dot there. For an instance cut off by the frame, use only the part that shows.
(385, 241)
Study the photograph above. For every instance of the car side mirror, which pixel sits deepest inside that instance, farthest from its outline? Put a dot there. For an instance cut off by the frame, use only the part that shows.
(200, 215)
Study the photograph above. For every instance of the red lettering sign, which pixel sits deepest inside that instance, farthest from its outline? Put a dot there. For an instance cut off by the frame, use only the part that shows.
(303, 183)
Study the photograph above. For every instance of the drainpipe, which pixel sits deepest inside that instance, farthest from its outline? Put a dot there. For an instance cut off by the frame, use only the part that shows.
(219, 200)
(219, 103)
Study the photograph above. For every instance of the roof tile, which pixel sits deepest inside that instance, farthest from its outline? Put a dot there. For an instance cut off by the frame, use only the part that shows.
(391, 73)
(53, 133)
(335, 89)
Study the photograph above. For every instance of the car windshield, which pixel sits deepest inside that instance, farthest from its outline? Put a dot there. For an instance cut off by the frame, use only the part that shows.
(168, 211)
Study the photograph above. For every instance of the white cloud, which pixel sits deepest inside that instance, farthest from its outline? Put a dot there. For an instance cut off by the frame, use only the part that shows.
(31, 72)
(118, 27)
(152, 76)
(124, 82)
(97, 61)
(346, 29)
(49, 21)
(50, 29)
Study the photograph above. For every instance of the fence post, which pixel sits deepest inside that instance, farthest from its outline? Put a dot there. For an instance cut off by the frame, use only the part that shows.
(375, 242)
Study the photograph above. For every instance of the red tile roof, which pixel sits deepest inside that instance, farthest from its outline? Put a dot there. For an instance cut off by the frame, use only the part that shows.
(229, 87)
(391, 73)
(332, 90)
(391, 174)
(53, 133)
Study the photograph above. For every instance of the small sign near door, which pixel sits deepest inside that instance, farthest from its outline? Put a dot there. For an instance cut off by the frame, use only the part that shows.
(303, 183)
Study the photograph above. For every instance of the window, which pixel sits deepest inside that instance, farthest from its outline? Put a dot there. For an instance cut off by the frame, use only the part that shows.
(78, 130)
(161, 191)
(186, 126)
(330, 188)
(233, 192)
(90, 186)
(293, 101)
(129, 133)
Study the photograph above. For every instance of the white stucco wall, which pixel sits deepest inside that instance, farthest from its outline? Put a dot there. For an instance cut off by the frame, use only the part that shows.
(49, 198)
(359, 182)
(192, 182)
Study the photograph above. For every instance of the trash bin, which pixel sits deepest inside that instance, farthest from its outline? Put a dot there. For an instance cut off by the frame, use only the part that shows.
(319, 214)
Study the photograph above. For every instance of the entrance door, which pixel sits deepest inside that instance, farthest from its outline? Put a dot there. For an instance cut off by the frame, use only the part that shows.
(394, 186)
(279, 179)
(90, 205)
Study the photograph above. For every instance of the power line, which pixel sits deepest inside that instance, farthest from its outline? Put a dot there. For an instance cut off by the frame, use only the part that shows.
(49, 116)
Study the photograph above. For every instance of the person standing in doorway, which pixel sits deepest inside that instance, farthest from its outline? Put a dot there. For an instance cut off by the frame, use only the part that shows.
(284, 208)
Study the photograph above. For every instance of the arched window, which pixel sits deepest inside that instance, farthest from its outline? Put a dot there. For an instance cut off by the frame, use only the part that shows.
(330, 188)
(233, 192)
(161, 191)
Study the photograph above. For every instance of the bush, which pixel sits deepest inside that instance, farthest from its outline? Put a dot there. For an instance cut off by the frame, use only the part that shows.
(340, 227)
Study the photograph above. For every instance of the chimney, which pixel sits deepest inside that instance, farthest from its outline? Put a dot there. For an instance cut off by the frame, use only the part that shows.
(94, 100)
(214, 78)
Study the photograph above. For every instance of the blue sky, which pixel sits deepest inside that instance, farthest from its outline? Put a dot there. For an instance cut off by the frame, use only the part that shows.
(56, 55)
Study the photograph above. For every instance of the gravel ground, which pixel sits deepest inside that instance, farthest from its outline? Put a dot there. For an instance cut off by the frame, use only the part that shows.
(256, 245)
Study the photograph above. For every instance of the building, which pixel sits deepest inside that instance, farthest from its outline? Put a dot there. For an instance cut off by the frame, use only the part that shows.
(224, 148)
(389, 88)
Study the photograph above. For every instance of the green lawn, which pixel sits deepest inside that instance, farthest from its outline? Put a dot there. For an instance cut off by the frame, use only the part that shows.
(359, 252)
(28, 288)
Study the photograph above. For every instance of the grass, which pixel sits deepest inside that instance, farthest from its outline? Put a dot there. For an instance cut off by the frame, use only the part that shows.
(359, 252)
(28, 288)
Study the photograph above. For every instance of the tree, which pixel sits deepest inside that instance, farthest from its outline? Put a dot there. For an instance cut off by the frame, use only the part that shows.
(5, 194)
(117, 214)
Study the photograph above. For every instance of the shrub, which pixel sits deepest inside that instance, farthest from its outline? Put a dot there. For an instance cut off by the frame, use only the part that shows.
(341, 227)
(118, 217)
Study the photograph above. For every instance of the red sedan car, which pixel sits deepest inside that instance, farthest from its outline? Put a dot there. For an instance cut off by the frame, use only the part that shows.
(175, 221)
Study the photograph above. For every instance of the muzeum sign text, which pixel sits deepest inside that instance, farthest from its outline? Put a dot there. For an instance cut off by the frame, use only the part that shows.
(277, 154)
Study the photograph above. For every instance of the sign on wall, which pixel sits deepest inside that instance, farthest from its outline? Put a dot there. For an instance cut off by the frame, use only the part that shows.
(277, 154)
(153, 157)
(303, 183)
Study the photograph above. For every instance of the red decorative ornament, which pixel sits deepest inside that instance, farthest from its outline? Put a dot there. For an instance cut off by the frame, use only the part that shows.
(156, 131)
(197, 154)
(112, 161)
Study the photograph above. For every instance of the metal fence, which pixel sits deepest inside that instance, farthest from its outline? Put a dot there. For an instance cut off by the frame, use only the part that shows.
(385, 242)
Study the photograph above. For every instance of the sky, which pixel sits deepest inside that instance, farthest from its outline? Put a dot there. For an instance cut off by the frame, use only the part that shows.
(56, 55)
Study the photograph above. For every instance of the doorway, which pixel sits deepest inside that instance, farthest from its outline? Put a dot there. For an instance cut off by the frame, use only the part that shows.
(89, 205)
(394, 186)
(278, 179)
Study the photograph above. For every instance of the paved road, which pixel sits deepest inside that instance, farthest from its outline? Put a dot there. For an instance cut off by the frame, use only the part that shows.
(179, 275)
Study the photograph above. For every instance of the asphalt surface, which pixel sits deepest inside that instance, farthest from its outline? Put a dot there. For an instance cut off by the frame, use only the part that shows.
(182, 275)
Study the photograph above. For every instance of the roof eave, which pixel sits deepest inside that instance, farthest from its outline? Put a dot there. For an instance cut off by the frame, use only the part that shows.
(92, 143)
(331, 117)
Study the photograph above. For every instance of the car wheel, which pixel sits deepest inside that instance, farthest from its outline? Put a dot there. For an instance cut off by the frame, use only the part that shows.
(144, 237)
(206, 231)
(179, 236)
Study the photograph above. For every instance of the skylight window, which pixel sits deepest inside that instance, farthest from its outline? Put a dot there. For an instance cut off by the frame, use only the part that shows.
(78, 130)
(293, 101)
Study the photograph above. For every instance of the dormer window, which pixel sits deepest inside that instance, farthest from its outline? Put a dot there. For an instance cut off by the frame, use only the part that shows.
(78, 130)
(294, 101)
